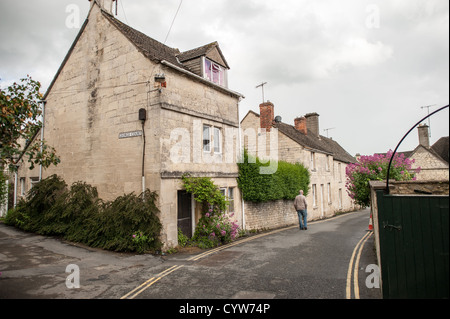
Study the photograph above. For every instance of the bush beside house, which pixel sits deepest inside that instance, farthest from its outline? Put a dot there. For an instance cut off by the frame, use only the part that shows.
(127, 224)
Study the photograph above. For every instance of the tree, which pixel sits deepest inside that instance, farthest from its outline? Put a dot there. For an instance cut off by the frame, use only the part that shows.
(375, 167)
(20, 121)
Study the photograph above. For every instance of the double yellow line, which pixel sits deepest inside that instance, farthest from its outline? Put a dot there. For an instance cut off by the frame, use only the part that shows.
(137, 291)
(356, 253)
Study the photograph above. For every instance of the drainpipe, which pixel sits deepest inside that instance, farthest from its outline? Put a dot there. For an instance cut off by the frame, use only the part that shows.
(241, 158)
(15, 189)
(143, 118)
(42, 136)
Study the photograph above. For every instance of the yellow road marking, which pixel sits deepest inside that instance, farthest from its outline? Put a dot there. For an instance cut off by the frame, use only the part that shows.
(150, 282)
(360, 245)
(355, 272)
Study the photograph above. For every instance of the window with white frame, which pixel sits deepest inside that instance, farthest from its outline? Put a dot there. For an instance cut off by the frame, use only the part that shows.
(212, 136)
(33, 181)
(206, 138)
(22, 186)
(215, 72)
(313, 161)
(217, 141)
(231, 199)
(314, 195)
(327, 164)
(329, 192)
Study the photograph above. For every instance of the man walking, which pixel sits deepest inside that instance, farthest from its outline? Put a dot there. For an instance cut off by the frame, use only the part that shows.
(301, 207)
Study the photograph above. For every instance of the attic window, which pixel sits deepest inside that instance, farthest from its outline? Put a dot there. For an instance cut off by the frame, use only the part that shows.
(215, 73)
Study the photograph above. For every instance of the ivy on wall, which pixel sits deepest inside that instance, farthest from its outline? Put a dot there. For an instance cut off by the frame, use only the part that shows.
(284, 184)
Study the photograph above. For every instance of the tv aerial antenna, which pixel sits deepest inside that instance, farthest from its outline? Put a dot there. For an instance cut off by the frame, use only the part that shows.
(328, 130)
(262, 87)
(429, 120)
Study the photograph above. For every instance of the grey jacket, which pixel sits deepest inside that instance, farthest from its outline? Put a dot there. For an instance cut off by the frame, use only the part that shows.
(300, 203)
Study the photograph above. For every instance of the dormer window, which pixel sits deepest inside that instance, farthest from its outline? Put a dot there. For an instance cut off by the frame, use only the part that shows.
(215, 72)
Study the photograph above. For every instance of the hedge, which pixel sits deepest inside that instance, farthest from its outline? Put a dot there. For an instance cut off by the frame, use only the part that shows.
(285, 183)
(127, 224)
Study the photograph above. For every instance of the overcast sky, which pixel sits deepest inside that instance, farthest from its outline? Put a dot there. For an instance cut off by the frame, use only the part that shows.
(366, 66)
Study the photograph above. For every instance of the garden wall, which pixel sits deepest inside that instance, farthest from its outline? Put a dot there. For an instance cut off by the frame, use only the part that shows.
(270, 215)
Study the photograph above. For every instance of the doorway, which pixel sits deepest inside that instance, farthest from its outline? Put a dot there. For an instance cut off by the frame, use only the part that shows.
(185, 213)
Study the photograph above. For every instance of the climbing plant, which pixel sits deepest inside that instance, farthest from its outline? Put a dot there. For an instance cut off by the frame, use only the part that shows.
(214, 227)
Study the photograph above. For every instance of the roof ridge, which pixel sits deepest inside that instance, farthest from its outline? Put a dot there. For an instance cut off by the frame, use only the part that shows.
(149, 46)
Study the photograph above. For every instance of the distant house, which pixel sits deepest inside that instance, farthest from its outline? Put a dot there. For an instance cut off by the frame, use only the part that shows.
(302, 143)
(126, 113)
(433, 160)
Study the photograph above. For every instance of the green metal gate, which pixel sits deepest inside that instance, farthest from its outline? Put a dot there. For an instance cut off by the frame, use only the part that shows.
(414, 245)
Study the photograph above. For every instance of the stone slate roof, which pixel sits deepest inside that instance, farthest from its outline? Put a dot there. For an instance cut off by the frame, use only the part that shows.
(158, 51)
(201, 51)
(152, 49)
(441, 148)
(324, 144)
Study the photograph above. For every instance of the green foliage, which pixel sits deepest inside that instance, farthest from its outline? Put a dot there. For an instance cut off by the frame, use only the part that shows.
(126, 224)
(205, 192)
(3, 188)
(183, 240)
(20, 119)
(214, 228)
(285, 183)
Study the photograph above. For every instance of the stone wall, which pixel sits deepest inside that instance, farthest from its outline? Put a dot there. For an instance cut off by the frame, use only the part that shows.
(432, 168)
(270, 215)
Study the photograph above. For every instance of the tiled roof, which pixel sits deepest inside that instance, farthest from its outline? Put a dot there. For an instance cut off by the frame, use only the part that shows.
(195, 53)
(441, 148)
(201, 51)
(324, 144)
(152, 49)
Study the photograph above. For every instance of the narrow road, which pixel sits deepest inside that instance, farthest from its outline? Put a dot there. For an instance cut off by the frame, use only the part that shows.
(284, 264)
(287, 264)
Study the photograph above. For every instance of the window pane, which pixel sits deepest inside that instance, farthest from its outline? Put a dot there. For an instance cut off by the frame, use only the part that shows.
(208, 69)
(216, 73)
(231, 200)
(216, 140)
(206, 139)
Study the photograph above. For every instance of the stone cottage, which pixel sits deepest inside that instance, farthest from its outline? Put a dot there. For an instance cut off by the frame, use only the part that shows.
(302, 143)
(432, 159)
(126, 113)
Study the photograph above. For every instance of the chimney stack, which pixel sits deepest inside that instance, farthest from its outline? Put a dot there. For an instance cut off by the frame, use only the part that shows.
(300, 125)
(424, 135)
(312, 123)
(267, 114)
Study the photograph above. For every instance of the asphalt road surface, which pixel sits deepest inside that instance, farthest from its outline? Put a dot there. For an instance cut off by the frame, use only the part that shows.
(318, 263)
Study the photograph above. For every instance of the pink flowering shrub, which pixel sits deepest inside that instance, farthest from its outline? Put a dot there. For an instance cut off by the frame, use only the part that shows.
(375, 167)
(214, 227)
